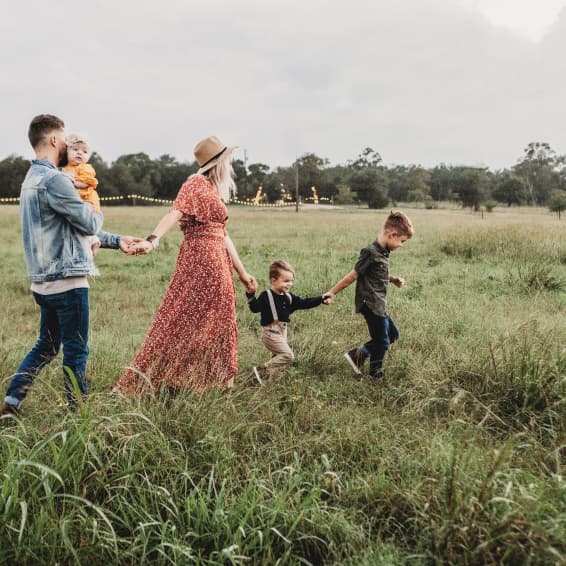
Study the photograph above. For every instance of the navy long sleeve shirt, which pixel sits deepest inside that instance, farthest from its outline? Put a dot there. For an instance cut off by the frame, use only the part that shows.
(283, 306)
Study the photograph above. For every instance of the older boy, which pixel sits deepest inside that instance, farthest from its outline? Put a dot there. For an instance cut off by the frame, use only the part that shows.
(371, 274)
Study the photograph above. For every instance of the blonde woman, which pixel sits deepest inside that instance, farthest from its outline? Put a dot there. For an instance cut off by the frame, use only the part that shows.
(192, 343)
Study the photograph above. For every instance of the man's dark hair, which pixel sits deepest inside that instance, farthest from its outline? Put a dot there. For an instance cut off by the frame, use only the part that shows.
(42, 125)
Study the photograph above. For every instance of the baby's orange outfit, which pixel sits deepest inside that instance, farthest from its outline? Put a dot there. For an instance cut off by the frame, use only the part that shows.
(84, 173)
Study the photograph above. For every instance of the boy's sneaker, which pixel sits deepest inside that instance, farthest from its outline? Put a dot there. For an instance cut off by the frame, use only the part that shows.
(258, 376)
(376, 375)
(356, 359)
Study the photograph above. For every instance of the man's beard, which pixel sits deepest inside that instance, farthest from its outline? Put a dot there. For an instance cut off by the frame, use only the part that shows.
(63, 158)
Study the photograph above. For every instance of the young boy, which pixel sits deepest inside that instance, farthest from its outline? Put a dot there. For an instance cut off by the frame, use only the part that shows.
(83, 177)
(371, 274)
(276, 305)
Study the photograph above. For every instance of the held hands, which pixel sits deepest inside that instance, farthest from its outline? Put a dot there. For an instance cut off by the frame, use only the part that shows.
(249, 282)
(328, 297)
(141, 248)
(129, 244)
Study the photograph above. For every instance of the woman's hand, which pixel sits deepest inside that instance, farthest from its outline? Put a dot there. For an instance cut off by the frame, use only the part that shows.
(249, 282)
(143, 247)
(128, 243)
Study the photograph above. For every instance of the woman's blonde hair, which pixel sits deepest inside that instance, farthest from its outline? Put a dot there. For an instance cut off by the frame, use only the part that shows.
(222, 175)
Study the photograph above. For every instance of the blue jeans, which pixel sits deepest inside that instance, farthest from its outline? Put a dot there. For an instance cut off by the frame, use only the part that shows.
(64, 320)
(383, 332)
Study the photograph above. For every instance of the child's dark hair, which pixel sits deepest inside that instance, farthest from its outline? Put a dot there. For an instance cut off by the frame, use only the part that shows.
(399, 222)
(42, 125)
(279, 265)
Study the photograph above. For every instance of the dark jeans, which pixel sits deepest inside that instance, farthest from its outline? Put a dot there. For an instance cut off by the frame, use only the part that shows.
(383, 332)
(64, 320)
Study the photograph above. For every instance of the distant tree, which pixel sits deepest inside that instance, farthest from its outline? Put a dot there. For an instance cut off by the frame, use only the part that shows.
(240, 176)
(397, 182)
(310, 168)
(370, 186)
(141, 169)
(471, 186)
(557, 201)
(168, 175)
(510, 188)
(540, 168)
(13, 169)
(256, 177)
(418, 180)
(106, 186)
(282, 178)
(344, 195)
(367, 158)
(441, 182)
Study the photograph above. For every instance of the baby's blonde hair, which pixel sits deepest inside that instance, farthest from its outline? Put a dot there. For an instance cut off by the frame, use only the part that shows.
(75, 139)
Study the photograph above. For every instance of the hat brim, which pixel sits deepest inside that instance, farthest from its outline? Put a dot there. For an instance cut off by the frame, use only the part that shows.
(207, 167)
(213, 163)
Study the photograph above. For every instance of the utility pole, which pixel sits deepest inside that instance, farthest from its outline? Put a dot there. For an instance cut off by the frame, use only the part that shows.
(246, 172)
(296, 185)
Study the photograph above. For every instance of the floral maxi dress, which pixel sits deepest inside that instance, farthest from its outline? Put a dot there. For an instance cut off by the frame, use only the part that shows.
(192, 343)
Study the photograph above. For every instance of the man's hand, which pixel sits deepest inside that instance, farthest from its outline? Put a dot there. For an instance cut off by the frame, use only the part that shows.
(397, 281)
(128, 244)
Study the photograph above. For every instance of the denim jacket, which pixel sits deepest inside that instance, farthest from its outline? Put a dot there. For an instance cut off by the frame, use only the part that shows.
(55, 223)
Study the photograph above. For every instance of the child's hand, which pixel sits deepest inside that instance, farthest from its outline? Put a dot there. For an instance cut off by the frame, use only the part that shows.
(327, 298)
(95, 247)
(397, 281)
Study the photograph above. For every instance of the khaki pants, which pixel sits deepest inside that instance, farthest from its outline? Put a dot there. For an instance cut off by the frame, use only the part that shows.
(274, 338)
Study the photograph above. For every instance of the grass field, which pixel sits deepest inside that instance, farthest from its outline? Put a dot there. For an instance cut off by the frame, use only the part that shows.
(457, 457)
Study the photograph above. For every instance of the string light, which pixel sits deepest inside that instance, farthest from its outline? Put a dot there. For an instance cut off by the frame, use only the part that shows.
(169, 201)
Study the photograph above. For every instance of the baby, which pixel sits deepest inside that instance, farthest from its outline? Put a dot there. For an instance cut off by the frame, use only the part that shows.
(83, 176)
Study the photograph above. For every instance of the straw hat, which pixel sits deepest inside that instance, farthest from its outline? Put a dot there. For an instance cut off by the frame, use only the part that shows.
(207, 153)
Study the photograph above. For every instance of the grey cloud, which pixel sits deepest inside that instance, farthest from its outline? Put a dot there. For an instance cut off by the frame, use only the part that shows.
(421, 81)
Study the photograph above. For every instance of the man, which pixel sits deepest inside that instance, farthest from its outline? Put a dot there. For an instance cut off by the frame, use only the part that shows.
(55, 223)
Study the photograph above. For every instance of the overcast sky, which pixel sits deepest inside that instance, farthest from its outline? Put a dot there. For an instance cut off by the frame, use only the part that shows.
(420, 81)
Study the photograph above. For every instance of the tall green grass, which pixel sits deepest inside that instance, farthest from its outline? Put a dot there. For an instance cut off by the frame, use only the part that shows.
(456, 457)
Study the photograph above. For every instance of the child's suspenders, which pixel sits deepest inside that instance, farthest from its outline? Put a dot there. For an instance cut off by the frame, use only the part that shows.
(272, 305)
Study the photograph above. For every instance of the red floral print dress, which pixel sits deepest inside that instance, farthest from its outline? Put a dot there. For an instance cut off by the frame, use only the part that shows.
(192, 343)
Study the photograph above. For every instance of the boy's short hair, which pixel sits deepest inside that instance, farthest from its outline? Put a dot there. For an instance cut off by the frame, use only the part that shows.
(74, 139)
(399, 222)
(279, 265)
(41, 126)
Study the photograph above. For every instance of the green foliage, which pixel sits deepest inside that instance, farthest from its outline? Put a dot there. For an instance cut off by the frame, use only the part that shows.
(471, 185)
(369, 185)
(13, 169)
(457, 457)
(557, 201)
(510, 188)
(344, 196)
(542, 169)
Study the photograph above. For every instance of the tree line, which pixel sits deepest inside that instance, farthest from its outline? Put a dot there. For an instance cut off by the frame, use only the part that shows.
(538, 178)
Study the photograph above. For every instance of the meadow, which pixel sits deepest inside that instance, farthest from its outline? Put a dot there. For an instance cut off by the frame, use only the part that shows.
(456, 457)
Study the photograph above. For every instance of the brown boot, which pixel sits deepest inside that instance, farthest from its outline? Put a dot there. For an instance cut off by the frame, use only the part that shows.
(9, 410)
